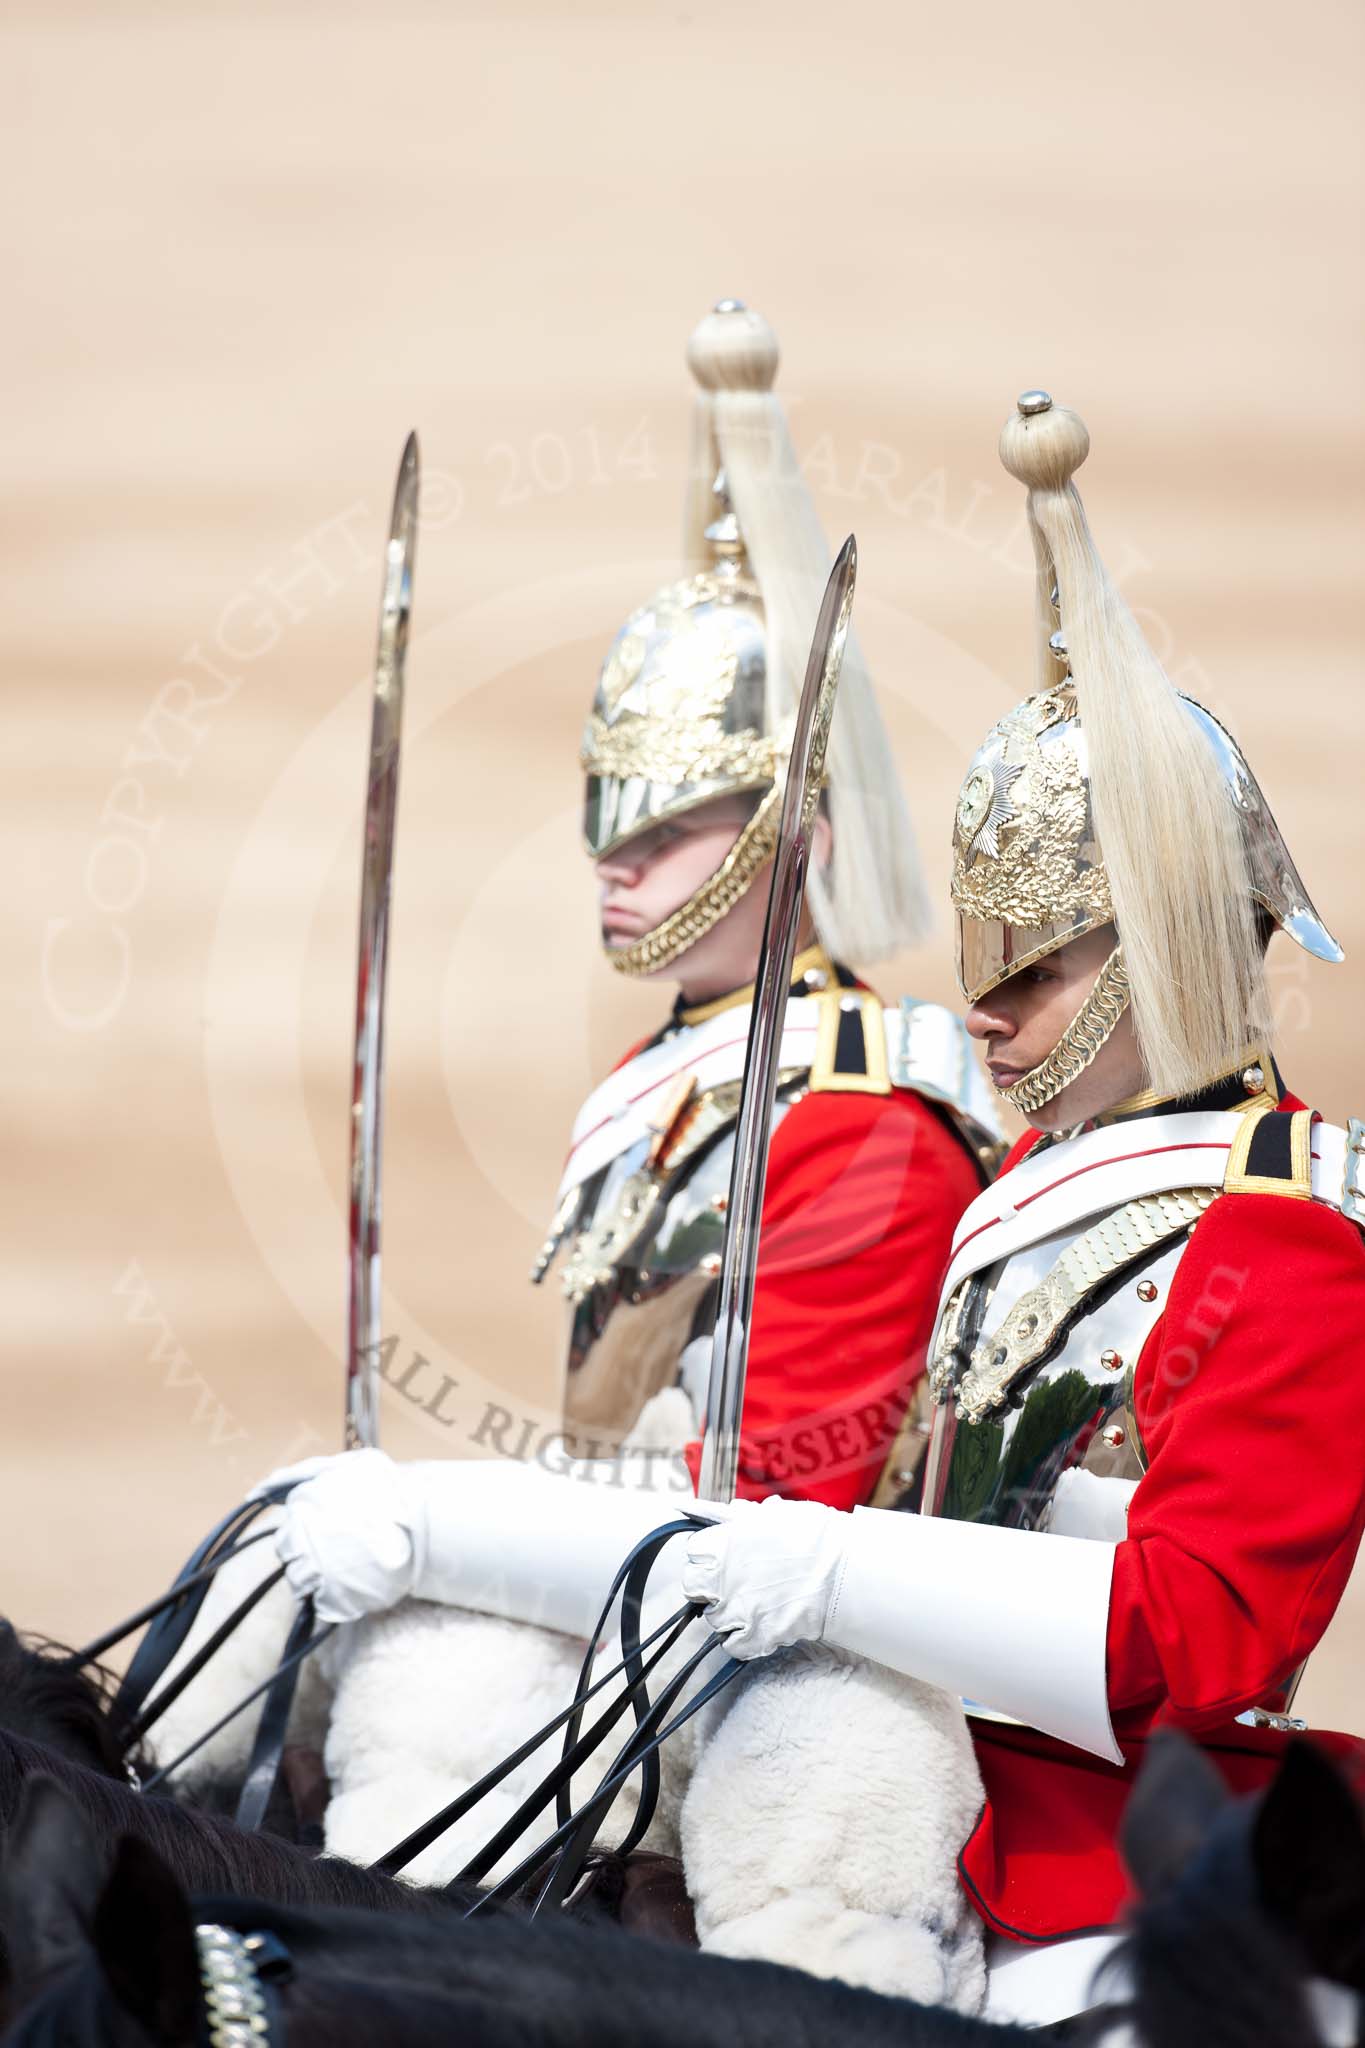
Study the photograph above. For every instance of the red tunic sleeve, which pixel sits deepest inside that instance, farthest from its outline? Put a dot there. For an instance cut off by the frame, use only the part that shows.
(1243, 1531)
(862, 1197)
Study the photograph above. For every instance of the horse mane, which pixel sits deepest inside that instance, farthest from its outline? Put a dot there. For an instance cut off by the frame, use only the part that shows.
(205, 1852)
(48, 1696)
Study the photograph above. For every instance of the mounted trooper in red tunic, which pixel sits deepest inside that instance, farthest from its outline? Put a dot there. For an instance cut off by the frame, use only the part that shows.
(883, 1127)
(882, 1132)
(1144, 1487)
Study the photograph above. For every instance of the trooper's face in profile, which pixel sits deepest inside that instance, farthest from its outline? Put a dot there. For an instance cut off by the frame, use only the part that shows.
(1021, 1021)
(655, 872)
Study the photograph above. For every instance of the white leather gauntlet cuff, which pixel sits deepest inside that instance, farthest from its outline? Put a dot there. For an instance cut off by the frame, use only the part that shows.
(533, 1546)
(1008, 1619)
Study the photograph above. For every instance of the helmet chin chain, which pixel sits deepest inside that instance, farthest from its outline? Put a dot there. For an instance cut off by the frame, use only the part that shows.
(1079, 1043)
(715, 899)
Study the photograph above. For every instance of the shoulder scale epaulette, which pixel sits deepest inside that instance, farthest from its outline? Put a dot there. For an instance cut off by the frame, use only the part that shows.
(850, 1045)
(1272, 1154)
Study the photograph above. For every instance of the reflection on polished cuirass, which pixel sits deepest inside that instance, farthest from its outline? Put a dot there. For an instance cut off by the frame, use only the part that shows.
(640, 1231)
(641, 1274)
(1028, 1416)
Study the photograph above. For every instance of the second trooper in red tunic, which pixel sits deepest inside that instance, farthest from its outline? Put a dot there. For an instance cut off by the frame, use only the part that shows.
(883, 1125)
(1145, 1483)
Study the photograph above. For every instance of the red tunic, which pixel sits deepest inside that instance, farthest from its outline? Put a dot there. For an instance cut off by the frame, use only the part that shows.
(1241, 1537)
(862, 1197)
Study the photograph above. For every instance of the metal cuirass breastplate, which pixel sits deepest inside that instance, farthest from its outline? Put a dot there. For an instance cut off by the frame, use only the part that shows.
(642, 1252)
(1031, 1375)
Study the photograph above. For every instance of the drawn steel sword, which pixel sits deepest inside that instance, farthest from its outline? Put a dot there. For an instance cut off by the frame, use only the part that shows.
(749, 1169)
(363, 1332)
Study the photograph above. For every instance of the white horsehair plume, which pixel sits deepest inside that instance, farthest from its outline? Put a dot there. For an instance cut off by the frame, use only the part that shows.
(870, 902)
(1168, 834)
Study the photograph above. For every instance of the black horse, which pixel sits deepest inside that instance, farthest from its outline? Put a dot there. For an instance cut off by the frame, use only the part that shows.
(59, 1707)
(111, 1962)
(1244, 1903)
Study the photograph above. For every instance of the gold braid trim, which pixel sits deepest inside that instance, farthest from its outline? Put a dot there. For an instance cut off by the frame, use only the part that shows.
(1041, 1314)
(1079, 1043)
(714, 900)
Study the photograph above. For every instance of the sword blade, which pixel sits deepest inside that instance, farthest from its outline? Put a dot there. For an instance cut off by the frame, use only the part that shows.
(749, 1169)
(363, 1332)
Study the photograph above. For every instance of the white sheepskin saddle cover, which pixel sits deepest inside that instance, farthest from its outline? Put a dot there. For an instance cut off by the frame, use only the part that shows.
(818, 1804)
(428, 1700)
(822, 1824)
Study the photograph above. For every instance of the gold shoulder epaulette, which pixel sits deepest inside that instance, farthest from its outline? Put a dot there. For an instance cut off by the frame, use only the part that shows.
(850, 1045)
(1272, 1154)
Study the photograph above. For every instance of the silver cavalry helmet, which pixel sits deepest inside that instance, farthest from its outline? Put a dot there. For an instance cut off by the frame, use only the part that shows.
(679, 715)
(1097, 802)
(1028, 870)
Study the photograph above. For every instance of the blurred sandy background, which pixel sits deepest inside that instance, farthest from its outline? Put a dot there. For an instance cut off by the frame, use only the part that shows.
(247, 249)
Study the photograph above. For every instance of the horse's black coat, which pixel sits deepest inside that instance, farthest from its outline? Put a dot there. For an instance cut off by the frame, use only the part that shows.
(203, 1851)
(1246, 1899)
(1243, 1903)
(125, 1978)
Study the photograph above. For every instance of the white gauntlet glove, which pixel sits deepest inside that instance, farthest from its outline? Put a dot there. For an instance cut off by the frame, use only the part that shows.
(360, 1532)
(1007, 1618)
(348, 1533)
(768, 1574)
